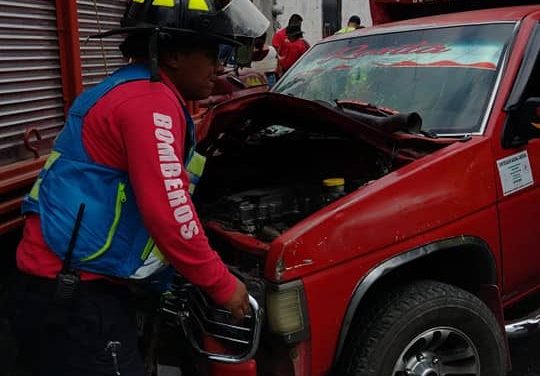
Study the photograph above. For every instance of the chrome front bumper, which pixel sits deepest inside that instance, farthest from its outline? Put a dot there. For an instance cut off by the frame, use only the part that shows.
(523, 327)
(198, 319)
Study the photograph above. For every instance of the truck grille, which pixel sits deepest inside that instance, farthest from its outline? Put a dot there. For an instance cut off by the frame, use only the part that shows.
(200, 319)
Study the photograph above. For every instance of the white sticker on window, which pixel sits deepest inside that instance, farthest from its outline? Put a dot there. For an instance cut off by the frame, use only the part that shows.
(515, 172)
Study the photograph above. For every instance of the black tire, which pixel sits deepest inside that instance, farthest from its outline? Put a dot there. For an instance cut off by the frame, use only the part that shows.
(420, 326)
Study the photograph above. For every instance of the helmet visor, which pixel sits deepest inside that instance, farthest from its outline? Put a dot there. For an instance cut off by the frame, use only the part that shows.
(240, 18)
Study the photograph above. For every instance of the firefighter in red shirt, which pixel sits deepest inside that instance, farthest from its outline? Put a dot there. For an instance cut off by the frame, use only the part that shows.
(279, 37)
(113, 201)
(292, 49)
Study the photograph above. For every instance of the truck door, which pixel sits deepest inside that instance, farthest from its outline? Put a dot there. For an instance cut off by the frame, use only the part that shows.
(518, 166)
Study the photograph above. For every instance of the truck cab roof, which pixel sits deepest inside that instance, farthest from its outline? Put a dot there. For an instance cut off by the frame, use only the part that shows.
(494, 15)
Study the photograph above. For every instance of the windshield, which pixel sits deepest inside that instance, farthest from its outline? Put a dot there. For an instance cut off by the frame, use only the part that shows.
(446, 75)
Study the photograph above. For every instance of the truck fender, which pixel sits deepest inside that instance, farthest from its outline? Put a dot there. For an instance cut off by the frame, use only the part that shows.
(392, 264)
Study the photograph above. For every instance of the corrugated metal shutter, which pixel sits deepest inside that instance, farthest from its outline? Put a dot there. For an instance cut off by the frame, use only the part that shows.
(30, 78)
(99, 58)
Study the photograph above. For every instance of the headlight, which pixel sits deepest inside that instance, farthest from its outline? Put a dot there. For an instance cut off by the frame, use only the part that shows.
(286, 311)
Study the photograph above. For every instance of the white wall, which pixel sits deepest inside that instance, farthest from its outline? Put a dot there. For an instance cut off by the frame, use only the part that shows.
(265, 6)
(358, 7)
(311, 11)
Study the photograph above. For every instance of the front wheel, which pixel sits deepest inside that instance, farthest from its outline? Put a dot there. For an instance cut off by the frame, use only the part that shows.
(426, 328)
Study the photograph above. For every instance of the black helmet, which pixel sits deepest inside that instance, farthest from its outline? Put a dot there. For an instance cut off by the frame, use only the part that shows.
(223, 20)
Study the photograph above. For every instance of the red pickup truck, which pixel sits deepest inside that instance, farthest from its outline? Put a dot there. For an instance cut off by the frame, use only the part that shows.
(381, 203)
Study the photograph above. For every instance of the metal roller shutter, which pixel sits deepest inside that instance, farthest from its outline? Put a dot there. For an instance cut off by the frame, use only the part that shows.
(30, 78)
(99, 58)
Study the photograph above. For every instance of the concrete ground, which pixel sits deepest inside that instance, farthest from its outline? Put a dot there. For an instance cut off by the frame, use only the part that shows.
(525, 356)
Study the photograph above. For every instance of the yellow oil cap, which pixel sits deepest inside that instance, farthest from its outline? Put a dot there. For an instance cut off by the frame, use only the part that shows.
(333, 182)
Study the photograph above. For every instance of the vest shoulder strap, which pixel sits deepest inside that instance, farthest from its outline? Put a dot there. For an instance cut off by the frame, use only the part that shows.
(69, 142)
(131, 72)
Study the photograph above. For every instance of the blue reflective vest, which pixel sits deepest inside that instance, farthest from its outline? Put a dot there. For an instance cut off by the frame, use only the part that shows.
(112, 239)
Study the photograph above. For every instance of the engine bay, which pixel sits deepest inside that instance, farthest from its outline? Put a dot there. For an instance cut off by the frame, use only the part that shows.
(265, 213)
(261, 179)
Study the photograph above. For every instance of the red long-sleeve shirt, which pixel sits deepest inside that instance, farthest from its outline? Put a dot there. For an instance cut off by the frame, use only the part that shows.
(291, 51)
(125, 130)
(279, 38)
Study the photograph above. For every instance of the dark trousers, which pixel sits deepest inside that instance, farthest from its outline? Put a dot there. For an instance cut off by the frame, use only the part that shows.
(72, 340)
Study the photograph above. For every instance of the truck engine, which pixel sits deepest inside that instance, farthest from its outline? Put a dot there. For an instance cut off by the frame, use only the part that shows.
(278, 175)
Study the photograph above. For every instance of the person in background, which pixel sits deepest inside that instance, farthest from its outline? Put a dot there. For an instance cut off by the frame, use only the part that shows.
(292, 49)
(281, 34)
(264, 59)
(353, 24)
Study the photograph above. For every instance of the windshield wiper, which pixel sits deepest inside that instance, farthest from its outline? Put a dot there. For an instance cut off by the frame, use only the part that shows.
(368, 108)
(428, 133)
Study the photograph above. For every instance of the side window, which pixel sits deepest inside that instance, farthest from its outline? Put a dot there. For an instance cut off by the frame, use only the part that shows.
(526, 83)
(533, 83)
(521, 112)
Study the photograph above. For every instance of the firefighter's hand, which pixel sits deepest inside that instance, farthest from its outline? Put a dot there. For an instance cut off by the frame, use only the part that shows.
(239, 302)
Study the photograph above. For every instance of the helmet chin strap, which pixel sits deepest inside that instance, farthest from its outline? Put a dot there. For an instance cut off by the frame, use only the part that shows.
(153, 54)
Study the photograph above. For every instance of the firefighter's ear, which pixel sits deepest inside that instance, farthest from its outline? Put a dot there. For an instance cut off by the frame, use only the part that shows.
(171, 60)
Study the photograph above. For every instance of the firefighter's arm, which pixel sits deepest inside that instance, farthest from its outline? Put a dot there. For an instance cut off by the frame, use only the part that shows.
(153, 134)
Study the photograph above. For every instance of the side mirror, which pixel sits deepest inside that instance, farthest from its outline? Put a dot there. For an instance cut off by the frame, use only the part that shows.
(530, 117)
(523, 124)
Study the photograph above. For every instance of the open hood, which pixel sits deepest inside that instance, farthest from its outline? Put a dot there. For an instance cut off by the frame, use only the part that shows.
(273, 161)
(256, 111)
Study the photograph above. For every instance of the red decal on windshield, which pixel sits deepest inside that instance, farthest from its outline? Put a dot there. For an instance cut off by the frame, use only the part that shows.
(441, 64)
(343, 67)
(349, 53)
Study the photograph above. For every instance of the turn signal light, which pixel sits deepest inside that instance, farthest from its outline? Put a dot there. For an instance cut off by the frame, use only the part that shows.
(286, 311)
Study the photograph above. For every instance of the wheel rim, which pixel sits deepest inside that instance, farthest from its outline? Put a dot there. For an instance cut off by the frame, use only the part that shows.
(440, 351)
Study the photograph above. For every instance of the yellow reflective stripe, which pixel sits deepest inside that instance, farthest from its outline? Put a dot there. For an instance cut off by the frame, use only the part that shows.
(195, 167)
(156, 252)
(164, 3)
(34, 192)
(158, 3)
(346, 29)
(254, 81)
(120, 199)
(196, 164)
(52, 158)
(147, 249)
(198, 5)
